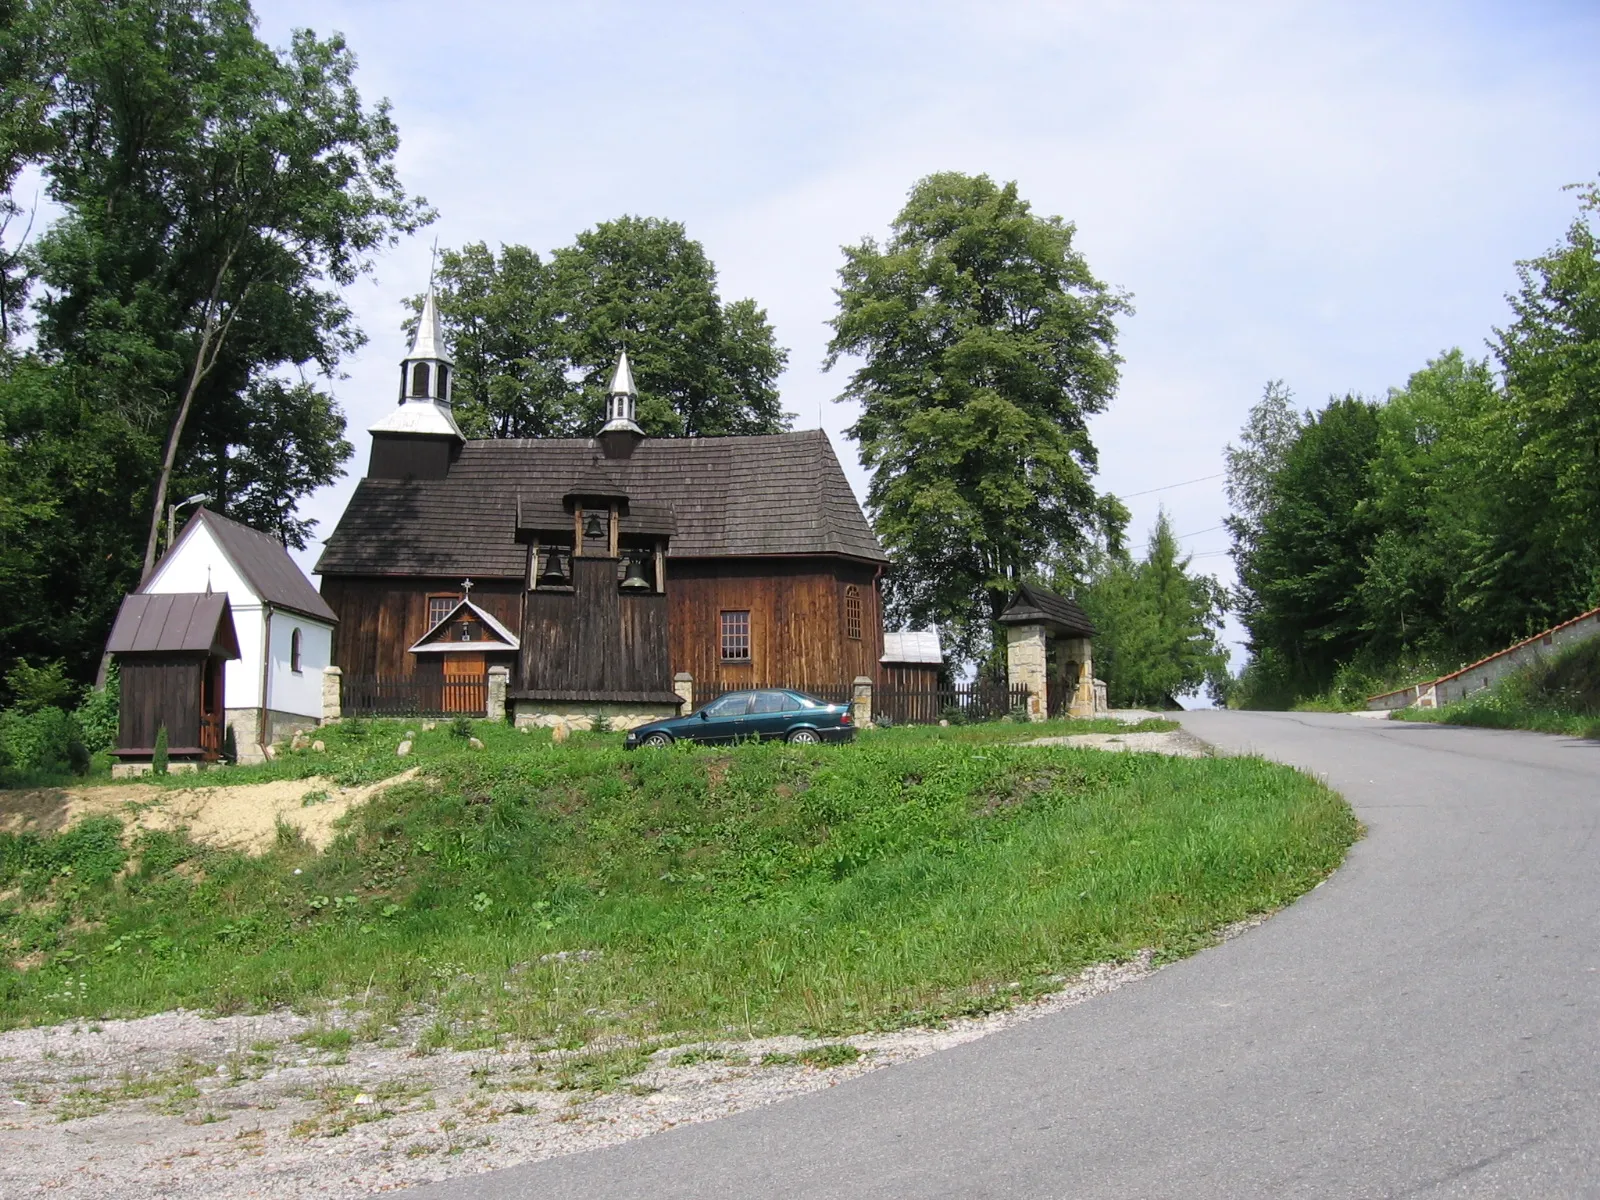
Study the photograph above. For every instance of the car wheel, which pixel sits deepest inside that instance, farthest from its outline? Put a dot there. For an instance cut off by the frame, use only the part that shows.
(804, 737)
(656, 739)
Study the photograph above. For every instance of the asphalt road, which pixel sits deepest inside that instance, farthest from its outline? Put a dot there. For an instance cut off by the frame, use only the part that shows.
(1425, 1024)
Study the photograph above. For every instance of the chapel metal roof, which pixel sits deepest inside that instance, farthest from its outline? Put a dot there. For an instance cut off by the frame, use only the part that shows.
(912, 646)
(174, 623)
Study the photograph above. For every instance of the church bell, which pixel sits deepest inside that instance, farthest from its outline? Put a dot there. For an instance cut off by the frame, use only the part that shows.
(592, 527)
(634, 580)
(552, 576)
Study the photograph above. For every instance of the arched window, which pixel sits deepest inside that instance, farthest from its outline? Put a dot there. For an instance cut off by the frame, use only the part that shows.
(444, 382)
(852, 612)
(419, 379)
(294, 651)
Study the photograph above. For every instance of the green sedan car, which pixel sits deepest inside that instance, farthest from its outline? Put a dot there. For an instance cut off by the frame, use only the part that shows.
(763, 714)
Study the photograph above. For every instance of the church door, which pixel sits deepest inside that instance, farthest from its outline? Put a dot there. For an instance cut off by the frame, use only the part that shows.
(466, 684)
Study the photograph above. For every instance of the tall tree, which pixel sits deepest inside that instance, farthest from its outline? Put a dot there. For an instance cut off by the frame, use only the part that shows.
(642, 284)
(1550, 355)
(499, 315)
(1305, 572)
(1158, 628)
(535, 342)
(985, 343)
(216, 192)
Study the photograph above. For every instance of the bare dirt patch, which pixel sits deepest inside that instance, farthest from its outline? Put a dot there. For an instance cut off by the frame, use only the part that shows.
(238, 817)
(1175, 742)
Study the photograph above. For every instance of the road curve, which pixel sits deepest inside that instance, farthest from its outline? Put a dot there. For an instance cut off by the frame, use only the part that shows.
(1426, 1024)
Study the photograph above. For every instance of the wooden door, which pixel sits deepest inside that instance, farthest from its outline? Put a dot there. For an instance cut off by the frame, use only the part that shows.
(466, 684)
(211, 708)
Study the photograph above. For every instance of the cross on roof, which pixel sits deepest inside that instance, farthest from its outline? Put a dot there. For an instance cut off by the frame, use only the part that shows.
(466, 588)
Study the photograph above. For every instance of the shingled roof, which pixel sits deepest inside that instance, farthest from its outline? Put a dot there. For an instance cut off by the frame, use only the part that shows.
(1034, 605)
(775, 494)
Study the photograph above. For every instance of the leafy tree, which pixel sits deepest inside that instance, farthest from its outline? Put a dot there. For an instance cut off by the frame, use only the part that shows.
(985, 344)
(535, 343)
(214, 191)
(47, 686)
(1306, 570)
(214, 196)
(642, 284)
(1158, 628)
(1550, 355)
(499, 315)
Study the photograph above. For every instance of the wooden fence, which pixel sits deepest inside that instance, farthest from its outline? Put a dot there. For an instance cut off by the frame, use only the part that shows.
(978, 701)
(448, 696)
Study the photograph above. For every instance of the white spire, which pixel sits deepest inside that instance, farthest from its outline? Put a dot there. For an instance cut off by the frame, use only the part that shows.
(429, 343)
(425, 382)
(622, 378)
(621, 400)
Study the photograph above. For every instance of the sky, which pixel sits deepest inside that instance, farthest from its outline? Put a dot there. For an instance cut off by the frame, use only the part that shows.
(1327, 194)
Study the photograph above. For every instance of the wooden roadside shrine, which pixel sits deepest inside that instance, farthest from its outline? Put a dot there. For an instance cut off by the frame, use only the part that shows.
(170, 649)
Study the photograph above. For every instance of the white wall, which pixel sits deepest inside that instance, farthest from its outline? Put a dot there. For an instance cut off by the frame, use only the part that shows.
(200, 563)
(300, 693)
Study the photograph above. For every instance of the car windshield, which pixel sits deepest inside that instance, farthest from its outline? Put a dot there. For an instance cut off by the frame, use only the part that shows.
(801, 700)
(731, 705)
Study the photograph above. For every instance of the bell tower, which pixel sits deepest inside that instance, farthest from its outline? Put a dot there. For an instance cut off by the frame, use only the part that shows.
(621, 432)
(420, 439)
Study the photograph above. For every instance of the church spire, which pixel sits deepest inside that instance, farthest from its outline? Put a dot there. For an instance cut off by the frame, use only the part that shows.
(426, 381)
(622, 400)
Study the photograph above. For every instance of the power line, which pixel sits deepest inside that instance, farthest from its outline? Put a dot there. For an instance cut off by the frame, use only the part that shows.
(1168, 487)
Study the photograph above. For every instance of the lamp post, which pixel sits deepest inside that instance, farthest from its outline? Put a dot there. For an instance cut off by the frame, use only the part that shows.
(172, 515)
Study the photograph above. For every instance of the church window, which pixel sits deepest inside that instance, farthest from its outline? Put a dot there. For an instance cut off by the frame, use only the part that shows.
(444, 381)
(439, 608)
(419, 379)
(852, 612)
(294, 652)
(736, 636)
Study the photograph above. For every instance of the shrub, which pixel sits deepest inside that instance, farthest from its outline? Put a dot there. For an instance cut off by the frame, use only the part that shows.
(46, 739)
(97, 715)
(35, 688)
(601, 724)
(158, 760)
(461, 727)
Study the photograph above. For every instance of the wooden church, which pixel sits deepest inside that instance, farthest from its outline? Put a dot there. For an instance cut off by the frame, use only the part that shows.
(608, 575)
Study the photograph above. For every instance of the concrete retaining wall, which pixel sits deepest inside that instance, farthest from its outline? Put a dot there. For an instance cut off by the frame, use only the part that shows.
(1447, 689)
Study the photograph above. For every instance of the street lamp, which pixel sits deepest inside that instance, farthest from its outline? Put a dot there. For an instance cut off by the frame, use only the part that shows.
(172, 515)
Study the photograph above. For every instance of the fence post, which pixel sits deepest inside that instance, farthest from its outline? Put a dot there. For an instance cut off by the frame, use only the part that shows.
(683, 684)
(499, 681)
(861, 702)
(332, 678)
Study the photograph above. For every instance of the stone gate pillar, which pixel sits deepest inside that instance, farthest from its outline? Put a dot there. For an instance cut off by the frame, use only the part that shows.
(499, 684)
(332, 677)
(1025, 665)
(1082, 704)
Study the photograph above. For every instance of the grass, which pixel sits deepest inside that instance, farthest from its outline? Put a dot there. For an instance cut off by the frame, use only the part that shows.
(1561, 694)
(573, 895)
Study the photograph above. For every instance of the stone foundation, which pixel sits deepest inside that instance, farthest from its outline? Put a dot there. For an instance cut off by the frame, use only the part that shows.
(534, 714)
(132, 770)
(281, 726)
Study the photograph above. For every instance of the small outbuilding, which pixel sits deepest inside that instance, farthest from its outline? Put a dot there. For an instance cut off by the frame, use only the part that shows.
(285, 628)
(1049, 650)
(170, 651)
(911, 674)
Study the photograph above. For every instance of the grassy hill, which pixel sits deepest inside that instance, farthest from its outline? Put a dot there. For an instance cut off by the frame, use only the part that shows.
(563, 893)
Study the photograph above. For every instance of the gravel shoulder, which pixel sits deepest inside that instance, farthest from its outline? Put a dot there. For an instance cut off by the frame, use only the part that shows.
(183, 1105)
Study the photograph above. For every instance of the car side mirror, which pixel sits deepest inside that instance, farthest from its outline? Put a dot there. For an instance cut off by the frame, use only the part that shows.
(703, 716)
